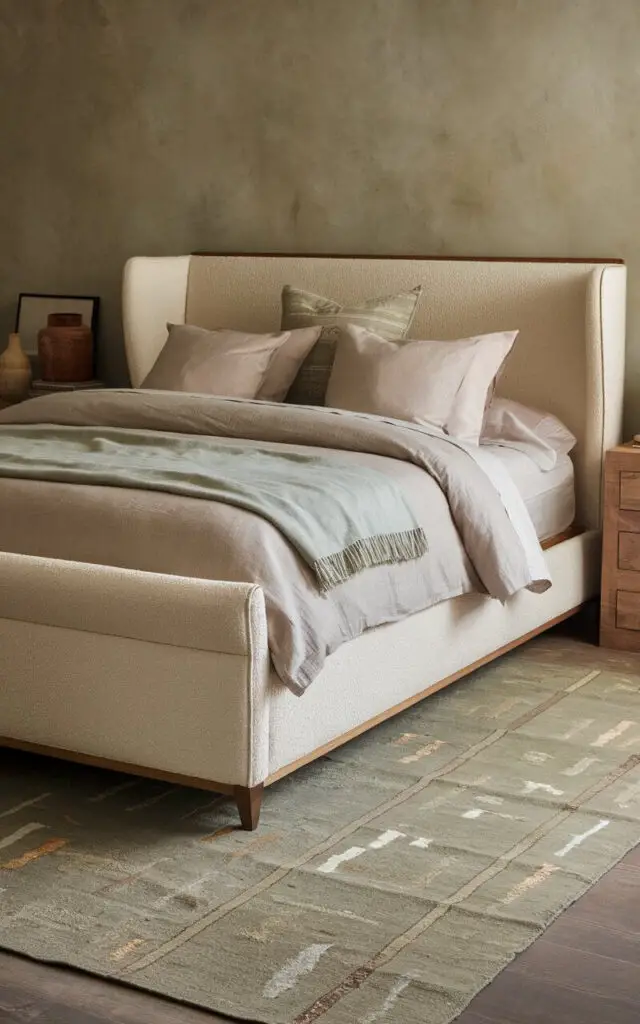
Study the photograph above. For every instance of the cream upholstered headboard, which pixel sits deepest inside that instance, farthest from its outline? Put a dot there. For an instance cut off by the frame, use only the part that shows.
(568, 358)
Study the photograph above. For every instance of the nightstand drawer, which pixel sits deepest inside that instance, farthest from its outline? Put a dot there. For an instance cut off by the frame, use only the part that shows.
(629, 490)
(629, 551)
(627, 609)
(627, 521)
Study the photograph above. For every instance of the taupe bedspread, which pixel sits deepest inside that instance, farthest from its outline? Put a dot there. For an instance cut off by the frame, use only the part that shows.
(472, 542)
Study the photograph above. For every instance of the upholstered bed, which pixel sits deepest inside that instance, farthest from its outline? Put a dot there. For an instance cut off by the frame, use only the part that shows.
(170, 675)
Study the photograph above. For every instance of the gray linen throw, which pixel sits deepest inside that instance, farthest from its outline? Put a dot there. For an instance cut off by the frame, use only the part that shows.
(340, 518)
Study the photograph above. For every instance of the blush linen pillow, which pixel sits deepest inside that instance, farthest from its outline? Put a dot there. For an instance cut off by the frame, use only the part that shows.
(490, 351)
(285, 364)
(230, 363)
(441, 383)
(541, 435)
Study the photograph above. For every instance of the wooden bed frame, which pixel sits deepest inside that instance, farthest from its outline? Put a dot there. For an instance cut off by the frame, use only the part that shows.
(170, 677)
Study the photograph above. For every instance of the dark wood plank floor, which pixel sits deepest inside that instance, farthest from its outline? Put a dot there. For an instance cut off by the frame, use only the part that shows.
(585, 969)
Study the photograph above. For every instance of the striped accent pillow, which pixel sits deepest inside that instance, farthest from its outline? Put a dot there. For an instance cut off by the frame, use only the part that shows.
(389, 317)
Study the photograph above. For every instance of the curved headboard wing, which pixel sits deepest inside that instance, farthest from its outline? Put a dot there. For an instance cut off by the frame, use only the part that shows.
(568, 358)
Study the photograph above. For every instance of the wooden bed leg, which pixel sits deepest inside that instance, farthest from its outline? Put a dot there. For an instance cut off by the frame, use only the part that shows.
(249, 801)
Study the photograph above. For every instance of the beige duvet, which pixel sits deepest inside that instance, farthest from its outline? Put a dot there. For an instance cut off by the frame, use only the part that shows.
(162, 532)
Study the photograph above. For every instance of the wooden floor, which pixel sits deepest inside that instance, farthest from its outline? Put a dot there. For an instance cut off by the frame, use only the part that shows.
(585, 969)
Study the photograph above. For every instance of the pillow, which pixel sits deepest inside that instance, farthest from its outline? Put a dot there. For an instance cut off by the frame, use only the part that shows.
(441, 383)
(230, 363)
(467, 416)
(539, 434)
(286, 362)
(389, 317)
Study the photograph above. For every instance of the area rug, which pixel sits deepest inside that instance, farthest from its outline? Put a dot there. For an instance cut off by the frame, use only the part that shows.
(388, 882)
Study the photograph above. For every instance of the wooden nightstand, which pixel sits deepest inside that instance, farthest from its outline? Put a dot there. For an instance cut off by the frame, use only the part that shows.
(39, 388)
(620, 599)
(42, 387)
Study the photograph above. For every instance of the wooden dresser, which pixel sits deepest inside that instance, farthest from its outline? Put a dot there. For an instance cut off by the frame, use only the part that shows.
(620, 600)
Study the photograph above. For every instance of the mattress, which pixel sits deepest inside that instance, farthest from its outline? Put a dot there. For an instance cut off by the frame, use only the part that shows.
(548, 494)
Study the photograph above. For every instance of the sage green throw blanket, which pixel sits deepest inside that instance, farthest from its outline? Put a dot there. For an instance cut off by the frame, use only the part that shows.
(340, 518)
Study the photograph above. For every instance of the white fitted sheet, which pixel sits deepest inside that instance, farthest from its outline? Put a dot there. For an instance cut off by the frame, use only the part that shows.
(548, 495)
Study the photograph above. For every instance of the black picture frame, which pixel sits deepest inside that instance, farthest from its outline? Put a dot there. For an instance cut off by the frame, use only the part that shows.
(34, 307)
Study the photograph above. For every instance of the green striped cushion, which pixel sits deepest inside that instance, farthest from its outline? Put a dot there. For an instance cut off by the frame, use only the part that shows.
(389, 317)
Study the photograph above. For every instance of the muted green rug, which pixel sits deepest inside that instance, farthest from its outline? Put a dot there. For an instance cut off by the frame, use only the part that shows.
(388, 882)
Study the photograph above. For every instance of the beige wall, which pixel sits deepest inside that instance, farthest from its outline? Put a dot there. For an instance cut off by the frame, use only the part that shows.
(418, 126)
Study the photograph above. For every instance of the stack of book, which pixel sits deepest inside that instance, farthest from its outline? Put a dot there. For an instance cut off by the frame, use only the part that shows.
(47, 387)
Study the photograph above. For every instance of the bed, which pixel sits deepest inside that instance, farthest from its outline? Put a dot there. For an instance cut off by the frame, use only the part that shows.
(169, 675)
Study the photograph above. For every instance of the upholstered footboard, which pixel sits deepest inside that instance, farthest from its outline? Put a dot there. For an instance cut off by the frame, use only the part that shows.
(160, 675)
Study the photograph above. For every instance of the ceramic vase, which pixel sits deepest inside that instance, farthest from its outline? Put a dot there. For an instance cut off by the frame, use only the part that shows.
(15, 372)
(65, 349)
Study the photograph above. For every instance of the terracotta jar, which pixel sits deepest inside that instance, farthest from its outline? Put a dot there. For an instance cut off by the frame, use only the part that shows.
(15, 371)
(65, 348)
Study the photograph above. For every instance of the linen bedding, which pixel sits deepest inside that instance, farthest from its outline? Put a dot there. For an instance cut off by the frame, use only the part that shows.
(340, 519)
(478, 532)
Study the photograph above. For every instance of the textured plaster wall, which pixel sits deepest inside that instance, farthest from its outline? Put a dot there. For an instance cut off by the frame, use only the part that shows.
(411, 126)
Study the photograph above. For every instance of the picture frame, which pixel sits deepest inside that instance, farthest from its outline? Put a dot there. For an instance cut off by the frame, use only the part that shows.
(34, 308)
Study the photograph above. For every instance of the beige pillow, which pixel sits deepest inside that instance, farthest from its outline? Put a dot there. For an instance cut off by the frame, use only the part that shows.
(490, 351)
(443, 383)
(230, 363)
(286, 362)
(389, 317)
(541, 435)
